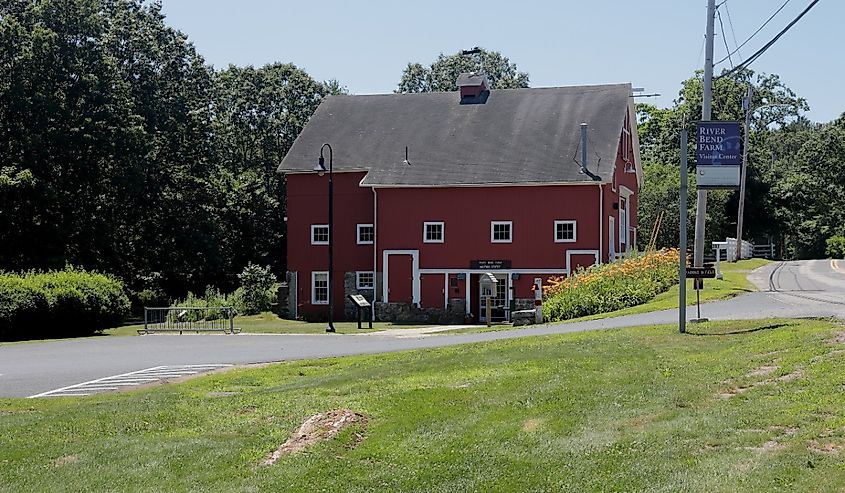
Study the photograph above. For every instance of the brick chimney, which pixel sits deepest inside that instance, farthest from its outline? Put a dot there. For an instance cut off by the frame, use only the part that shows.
(472, 85)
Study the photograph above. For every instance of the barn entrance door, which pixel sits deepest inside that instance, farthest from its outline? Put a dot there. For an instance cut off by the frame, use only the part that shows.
(401, 277)
(499, 303)
(400, 280)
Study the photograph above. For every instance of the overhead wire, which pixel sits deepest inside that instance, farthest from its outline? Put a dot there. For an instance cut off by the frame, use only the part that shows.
(754, 33)
(724, 38)
(733, 32)
(748, 61)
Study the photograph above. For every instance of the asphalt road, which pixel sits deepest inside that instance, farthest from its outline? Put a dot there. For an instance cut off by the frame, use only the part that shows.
(788, 289)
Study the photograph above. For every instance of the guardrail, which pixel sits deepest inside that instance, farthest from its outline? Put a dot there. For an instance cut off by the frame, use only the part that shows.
(189, 319)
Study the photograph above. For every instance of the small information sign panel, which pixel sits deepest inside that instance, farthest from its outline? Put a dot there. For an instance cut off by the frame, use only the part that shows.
(359, 301)
(490, 264)
(701, 272)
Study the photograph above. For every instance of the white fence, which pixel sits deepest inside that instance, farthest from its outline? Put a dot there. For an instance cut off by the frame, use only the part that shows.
(726, 250)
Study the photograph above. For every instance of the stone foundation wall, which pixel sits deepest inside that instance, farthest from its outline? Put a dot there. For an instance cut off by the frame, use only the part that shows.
(524, 304)
(350, 311)
(408, 313)
(282, 306)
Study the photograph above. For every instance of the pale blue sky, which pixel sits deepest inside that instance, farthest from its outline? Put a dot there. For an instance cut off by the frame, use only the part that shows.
(653, 44)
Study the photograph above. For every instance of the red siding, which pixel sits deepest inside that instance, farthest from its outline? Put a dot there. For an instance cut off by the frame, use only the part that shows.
(467, 213)
(307, 204)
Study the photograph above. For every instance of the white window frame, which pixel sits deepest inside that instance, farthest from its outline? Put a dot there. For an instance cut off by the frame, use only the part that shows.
(358, 279)
(314, 274)
(493, 225)
(314, 228)
(358, 229)
(442, 231)
(574, 231)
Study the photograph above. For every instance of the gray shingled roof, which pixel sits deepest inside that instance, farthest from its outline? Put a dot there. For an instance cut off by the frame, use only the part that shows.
(517, 136)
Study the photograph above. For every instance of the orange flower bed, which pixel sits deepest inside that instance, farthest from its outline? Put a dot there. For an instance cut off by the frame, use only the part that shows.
(608, 287)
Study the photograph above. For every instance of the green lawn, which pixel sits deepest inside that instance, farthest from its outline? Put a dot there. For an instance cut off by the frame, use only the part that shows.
(744, 406)
(270, 323)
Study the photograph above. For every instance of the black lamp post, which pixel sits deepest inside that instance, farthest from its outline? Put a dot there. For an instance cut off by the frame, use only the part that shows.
(321, 169)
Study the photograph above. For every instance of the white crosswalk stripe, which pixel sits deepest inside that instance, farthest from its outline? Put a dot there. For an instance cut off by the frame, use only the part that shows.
(128, 380)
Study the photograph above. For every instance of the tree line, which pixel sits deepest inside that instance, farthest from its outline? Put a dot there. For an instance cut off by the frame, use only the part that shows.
(121, 150)
(795, 194)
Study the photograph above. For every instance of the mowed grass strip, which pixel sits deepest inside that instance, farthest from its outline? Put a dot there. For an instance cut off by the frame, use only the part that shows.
(270, 323)
(746, 406)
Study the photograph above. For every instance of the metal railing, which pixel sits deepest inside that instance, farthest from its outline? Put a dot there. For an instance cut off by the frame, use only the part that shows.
(190, 319)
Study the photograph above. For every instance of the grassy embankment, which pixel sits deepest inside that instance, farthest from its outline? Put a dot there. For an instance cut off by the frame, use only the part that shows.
(734, 283)
(736, 406)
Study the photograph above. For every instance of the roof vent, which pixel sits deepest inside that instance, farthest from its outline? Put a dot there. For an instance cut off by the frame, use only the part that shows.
(474, 88)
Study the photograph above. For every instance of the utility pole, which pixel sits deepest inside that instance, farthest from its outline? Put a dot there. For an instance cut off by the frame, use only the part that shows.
(746, 104)
(682, 243)
(701, 209)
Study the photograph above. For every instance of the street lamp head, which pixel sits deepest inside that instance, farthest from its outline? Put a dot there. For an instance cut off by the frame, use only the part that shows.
(321, 166)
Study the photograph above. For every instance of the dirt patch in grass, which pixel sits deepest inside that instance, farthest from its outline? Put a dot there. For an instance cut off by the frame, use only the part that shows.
(727, 394)
(221, 394)
(65, 460)
(791, 376)
(532, 425)
(762, 371)
(247, 410)
(838, 338)
(825, 448)
(767, 447)
(318, 428)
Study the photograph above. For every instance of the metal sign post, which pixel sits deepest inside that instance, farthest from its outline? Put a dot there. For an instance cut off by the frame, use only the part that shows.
(682, 247)
(699, 274)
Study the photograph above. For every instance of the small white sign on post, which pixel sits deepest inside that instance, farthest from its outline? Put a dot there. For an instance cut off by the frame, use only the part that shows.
(538, 300)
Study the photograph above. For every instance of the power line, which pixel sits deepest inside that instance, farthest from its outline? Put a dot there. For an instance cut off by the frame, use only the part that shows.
(724, 38)
(733, 33)
(748, 61)
(755, 32)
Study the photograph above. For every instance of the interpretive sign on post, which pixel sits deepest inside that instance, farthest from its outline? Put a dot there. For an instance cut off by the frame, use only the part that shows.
(718, 153)
(361, 303)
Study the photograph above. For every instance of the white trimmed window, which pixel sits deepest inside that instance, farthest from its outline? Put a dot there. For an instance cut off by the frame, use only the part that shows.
(501, 231)
(366, 233)
(565, 231)
(365, 280)
(320, 288)
(319, 234)
(433, 232)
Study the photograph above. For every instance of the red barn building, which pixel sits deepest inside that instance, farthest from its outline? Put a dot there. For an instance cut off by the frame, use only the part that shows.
(433, 189)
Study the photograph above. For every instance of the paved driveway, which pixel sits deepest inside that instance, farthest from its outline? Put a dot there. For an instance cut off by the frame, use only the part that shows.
(791, 289)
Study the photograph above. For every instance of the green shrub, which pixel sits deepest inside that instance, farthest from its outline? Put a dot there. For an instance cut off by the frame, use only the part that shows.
(836, 246)
(257, 291)
(64, 303)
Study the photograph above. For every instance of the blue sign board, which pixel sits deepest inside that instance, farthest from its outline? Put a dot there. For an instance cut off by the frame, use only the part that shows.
(718, 143)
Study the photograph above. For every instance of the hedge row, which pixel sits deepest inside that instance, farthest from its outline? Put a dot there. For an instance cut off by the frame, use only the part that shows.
(610, 287)
(66, 303)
